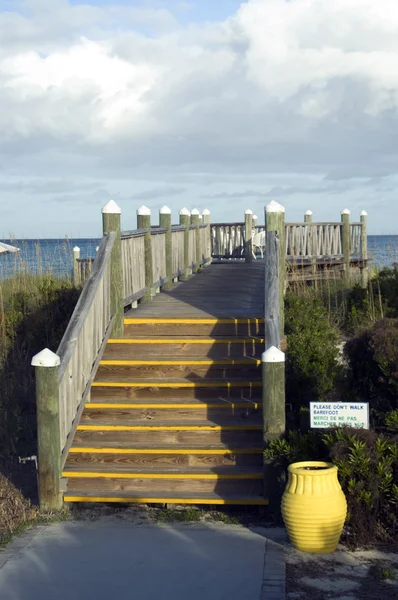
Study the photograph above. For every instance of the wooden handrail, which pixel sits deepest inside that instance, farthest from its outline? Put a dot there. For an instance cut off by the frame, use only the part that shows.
(84, 341)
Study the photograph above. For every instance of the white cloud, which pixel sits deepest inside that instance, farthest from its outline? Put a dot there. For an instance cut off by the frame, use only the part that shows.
(117, 93)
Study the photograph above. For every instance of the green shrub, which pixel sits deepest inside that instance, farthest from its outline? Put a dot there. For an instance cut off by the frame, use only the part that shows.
(368, 473)
(373, 367)
(392, 421)
(312, 367)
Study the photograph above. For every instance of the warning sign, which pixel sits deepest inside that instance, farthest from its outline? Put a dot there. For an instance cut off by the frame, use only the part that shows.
(339, 414)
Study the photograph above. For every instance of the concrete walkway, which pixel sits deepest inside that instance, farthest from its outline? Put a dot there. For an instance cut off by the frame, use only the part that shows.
(115, 560)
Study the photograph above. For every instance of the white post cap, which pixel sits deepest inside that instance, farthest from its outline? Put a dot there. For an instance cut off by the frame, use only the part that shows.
(255, 217)
(248, 211)
(206, 212)
(144, 210)
(111, 208)
(273, 355)
(165, 210)
(364, 213)
(195, 212)
(200, 217)
(76, 249)
(346, 211)
(46, 358)
(308, 212)
(185, 211)
(275, 207)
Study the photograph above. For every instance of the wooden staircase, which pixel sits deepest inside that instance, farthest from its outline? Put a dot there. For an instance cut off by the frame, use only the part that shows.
(174, 416)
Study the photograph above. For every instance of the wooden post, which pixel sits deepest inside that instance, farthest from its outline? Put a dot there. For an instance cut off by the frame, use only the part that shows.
(248, 236)
(272, 304)
(195, 220)
(111, 222)
(165, 221)
(46, 365)
(308, 220)
(76, 269)
(144, 222)
(206, 219)
(364, 248)
(275, 221)
(274, 417)
(185, 219)
(346, 243)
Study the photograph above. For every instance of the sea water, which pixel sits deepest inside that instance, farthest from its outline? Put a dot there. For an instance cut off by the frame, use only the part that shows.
(56, 255)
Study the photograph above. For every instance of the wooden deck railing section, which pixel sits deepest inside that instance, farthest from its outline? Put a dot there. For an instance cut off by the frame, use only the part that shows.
(302, 240)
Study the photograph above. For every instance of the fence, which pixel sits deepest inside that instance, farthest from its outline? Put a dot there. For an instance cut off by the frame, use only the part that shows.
(301, 240)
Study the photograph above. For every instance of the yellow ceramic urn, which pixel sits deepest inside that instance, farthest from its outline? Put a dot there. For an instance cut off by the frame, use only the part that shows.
(314, 507)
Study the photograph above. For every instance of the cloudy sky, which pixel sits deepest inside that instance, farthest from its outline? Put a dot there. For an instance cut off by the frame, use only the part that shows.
(216, 104)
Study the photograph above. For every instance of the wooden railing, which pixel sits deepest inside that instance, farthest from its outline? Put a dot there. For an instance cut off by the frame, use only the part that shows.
(301, 240)
(86, 334)
(177, 248)
(133, 257)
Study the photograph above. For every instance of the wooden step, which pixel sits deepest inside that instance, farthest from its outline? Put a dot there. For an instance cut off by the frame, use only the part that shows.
(164, 498)
(163, 455)
(173, 388)
(130, 413)
(169, 327)
(244, 480)
(184, 346)
(171, 432)
(174, 367)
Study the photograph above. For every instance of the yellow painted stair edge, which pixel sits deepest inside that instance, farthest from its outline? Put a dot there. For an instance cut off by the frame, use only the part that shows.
(102, 475)
(218, 451)
(168, 500)
(169, 427)
(206, 321)
(185, 384)
(206, 405)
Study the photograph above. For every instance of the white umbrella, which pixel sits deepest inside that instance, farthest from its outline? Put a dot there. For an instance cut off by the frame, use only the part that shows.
(6, 248)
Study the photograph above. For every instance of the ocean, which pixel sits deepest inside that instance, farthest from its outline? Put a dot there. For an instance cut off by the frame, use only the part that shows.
(56, 255)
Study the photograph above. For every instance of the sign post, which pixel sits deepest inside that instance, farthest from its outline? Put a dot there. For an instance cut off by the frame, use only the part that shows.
(339, 414)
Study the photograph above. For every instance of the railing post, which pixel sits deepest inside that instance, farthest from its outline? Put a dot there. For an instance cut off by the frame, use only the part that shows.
(248, 236)
(144, 222)
(308, 221)
(272, 332)
(48, 429)
(274, 417)
(275, 221)
(364, 248)
(165, 221)
(76, 269)
(195, 220)
(185, 219)
(345, 243)
(206, 220)
(111, 222)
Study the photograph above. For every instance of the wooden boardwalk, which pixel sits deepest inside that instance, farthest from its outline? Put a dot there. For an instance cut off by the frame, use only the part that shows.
(175, 408)
(234, 290)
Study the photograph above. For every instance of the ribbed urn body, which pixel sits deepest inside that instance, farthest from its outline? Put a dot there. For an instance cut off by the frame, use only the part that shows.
(314, 507)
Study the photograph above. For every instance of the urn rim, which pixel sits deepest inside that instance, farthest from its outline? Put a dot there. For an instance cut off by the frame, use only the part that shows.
(312, 468)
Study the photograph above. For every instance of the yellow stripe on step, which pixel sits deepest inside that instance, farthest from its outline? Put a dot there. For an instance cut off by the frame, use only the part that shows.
(169, 427)
(166, 363)
(185, 341)
(248, 404)
(82, 474)
(156, 321)
(144, 500)
(187, 384)
(224, 451)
